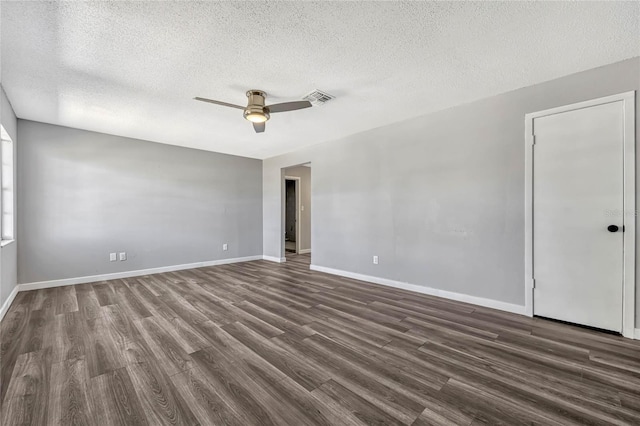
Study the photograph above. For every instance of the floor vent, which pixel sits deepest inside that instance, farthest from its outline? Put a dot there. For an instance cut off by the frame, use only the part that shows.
(318, 97)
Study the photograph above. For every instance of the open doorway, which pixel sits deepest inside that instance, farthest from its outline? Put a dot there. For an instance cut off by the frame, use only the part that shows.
(291, 211)
(297, 213)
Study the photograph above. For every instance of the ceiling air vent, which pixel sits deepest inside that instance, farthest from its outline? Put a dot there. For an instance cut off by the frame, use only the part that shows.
(318, 97)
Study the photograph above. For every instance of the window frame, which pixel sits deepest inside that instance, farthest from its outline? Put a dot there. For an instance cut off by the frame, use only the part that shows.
(7, 218)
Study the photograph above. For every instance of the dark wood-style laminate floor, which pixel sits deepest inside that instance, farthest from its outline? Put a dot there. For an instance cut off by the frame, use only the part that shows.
(261, 343)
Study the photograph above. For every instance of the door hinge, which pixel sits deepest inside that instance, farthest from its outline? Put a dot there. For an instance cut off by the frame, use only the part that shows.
(533, 140)
(533, 283)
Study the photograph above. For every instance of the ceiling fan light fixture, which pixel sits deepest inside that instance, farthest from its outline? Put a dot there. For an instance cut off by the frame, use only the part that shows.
(256, 116)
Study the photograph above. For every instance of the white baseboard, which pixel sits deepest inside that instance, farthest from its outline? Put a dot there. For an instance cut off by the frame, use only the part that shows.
(637, 334)
(304, 251)
(489, 303)
(274, 259)
(7, 303)
(129, 274)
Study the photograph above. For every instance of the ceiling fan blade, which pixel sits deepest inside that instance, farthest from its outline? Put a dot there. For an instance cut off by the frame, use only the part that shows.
(288, 106)
(259, 127)
(211, 101)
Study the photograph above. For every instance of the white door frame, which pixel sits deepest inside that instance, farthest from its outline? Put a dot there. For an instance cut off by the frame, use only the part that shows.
(629, 204)
(297, 185)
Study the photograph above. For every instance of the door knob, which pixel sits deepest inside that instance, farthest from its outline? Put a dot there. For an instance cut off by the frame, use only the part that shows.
(612, 228)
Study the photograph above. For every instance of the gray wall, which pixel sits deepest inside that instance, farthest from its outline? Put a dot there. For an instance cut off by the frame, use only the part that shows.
(440, 198)
(304, 173)
(85, 194)
(9, 253)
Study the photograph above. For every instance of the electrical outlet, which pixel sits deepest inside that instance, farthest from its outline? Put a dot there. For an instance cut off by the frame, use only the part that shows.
(375, 260)
(301, 208)
(225, 247)
(112, 257)
(123, 256)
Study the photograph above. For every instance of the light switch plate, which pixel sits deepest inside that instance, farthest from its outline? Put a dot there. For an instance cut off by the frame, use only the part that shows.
(123, 256)
(113, 257)
(225, 247)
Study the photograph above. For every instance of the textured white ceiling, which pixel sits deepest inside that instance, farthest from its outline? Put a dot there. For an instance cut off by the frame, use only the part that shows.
(131, 68)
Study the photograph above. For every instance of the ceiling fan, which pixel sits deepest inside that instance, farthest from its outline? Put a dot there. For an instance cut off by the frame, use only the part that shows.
(256, 111)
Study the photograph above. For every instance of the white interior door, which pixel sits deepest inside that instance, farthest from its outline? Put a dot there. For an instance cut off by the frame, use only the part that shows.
(578, 159)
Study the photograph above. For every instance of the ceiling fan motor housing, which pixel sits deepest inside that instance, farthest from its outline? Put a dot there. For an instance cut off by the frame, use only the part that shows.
(255, 106)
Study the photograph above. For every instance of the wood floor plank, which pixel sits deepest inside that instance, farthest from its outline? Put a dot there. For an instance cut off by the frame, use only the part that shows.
(26, 400)
(66, 336)
(104, 293)
(66, 300)
(12, 329)
(235, 388)
(186, 335)
(510, 388)
(299, 370)
(102, 352)
(278, 322)
(204, 399)
(290, 313)
(114, 400)
(88, 303)
(70, 398)
(183, 308)
(34, 332)
(442, 327)
(120, 325)
(146, 295)
(129, 302)
(387, 360)
(271, 389)
(262, 343)
(631, 402)
(222, 342)
(255, 323)
(171, 354)
(45, 300)
(555, 381)
(501, 408)
(153, 284)
(378, 389)
(355, 378)
(369, 413)
(212, 308)
(428, 314)
(441, 415)
(384, 332)
(338, 414)
(224, 345)
(160, 400)
(296, 403)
